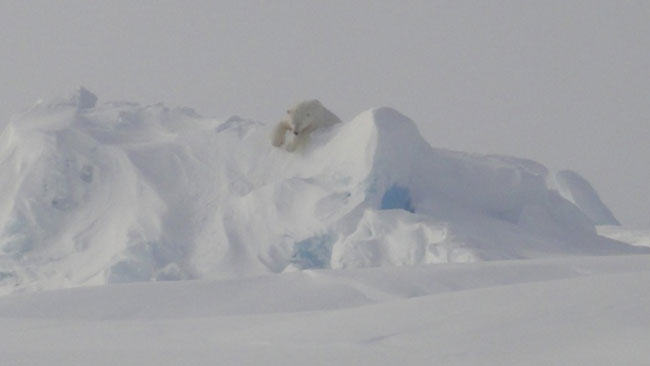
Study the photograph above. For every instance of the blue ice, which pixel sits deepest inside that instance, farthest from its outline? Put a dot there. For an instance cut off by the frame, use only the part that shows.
(397, 197)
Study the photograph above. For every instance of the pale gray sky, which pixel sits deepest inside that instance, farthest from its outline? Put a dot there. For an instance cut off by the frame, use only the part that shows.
(566, 83)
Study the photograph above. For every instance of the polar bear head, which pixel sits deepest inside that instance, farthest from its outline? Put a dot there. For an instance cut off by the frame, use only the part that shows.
(304, 115)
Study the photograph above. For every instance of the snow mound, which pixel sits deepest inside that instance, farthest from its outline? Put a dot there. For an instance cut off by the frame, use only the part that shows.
(119, 192)
(576, 189)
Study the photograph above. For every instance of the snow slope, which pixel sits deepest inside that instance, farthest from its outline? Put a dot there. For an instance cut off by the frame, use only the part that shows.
(118, 192)
(560, 311)
(576, 189)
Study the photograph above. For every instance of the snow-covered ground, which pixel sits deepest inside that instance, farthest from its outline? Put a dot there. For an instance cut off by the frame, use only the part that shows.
(150, 235)
(569, 311)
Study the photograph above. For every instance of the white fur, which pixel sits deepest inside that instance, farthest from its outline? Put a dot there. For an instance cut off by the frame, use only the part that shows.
(301, 120)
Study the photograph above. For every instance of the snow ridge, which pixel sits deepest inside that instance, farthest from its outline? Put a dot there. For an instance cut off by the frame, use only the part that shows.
(118, 192)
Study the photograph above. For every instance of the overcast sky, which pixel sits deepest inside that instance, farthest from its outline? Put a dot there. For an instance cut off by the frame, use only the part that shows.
(566, 83)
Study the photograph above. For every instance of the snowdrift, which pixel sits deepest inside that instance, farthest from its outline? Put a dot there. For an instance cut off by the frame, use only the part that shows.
(118, 192)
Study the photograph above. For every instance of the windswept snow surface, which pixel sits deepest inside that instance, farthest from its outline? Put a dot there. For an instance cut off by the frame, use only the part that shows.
(559, 311)
(118, 192)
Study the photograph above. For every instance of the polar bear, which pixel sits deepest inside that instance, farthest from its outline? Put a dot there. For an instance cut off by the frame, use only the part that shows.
(302, 119)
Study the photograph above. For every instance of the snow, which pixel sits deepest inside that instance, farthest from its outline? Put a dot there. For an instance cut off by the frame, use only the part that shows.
(398, 238)
(149, 235)
(535, 312)
(98, 193)
(633, 236)
(576, 189)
